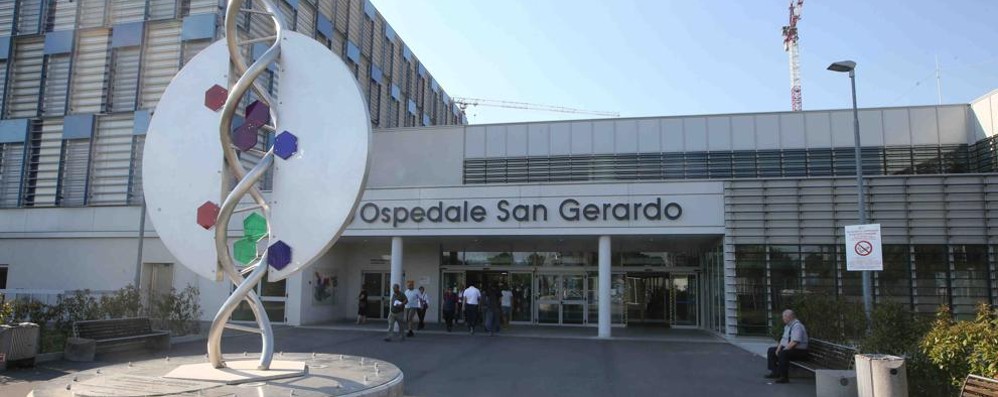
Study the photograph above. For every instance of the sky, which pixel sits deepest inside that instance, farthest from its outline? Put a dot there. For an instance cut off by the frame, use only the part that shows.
(666, 57)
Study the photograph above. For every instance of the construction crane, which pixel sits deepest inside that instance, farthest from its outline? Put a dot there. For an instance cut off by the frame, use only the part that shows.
(790, 46)
(463, 103)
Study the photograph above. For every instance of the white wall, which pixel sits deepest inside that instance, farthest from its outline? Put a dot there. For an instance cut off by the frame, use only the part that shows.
(985, 115)
(420, 259)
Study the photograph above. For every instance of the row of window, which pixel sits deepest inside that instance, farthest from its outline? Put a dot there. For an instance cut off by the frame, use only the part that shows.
(892, 160)
(921, 277)
(97, 70)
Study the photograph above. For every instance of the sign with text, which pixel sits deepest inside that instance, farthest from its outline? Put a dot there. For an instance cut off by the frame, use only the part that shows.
(863, 251)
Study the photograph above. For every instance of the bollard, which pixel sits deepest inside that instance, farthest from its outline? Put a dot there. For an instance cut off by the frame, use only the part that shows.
(881, 375)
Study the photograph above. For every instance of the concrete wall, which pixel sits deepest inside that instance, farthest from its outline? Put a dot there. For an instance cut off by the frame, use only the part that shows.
(984, 119)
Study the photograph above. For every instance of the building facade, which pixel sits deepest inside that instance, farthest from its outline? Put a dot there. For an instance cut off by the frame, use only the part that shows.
(707, 221)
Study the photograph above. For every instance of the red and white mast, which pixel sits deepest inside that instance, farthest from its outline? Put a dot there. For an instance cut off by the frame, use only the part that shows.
(790, 46)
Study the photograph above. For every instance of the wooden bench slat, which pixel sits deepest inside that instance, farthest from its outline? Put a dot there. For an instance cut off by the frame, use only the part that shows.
(826, 355)
(979, 386)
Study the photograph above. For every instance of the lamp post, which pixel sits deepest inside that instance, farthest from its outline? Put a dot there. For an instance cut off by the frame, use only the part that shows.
(850, 66)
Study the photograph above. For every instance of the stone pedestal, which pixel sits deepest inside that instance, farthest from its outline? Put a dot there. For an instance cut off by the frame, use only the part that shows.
(324, 375)
(80, 349)
(835, 383)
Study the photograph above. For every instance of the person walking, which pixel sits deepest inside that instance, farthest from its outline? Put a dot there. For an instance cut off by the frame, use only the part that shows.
(411, 307)
(492, 310)
(507, 304)
(424, 303)
(362, 307)
(449, 307)
(471, 296)
(395, 312)
(792, 346)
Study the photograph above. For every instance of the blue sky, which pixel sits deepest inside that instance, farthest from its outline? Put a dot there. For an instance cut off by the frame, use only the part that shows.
(659, 58)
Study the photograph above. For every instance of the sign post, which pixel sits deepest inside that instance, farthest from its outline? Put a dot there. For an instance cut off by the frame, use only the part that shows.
(863, 248)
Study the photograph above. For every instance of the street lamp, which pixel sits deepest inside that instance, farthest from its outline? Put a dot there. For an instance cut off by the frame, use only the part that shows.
(850, 66)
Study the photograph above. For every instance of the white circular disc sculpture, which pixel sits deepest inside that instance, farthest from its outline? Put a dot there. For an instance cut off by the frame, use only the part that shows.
(314, 192)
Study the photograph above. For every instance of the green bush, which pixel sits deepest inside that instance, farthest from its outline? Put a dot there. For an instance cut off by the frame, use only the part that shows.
(958, 348)
(178, 312)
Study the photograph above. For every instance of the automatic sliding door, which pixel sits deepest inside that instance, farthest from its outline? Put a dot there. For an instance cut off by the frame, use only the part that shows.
(684, 291)
(523, 297)
(548, 299)
(573, 304)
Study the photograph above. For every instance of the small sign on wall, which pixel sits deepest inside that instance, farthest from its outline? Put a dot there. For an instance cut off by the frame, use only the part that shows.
(863, 248)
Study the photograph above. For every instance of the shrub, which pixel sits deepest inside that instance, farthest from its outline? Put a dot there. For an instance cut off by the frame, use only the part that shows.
(125, 302)
(826, 318)
(958, 348)
(178, 312)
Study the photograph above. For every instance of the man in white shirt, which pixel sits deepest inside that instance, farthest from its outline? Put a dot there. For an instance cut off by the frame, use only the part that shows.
(471, 296)
(793, 346)
(411, 307)
(507, 304)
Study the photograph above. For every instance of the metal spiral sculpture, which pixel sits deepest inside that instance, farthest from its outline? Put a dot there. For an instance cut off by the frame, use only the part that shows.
(247, 180)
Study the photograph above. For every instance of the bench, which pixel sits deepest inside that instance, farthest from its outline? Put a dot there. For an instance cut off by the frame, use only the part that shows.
(979, 386)
(122, 334)
(826, 355)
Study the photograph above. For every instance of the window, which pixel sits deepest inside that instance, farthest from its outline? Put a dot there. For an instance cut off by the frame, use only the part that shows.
(3, 276)
(819, 269)
(750, 287)
(970, 279)
(894, 282)
(931, 277)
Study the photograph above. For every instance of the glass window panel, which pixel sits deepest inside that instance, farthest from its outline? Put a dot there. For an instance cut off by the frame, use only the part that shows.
(784, 275)
(750, 287)
(931, 270)
(970, 279)
(696, 165)
(743, 164)
(672, 165)
(819, 162)
(769, 163)
(819, 268)
(794, 163)
(894, 282)
(719, 164)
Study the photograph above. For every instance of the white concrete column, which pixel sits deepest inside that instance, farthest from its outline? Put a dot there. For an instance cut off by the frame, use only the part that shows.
(605, 276)
(397, 262)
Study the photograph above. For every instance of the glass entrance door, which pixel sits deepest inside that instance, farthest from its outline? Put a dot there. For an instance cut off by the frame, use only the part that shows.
(683, 293)
(378, 293)
(561, 298)
(522, 285)
(646, 298)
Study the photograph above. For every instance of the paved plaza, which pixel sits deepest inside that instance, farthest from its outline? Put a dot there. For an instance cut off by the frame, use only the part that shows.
(525, 362)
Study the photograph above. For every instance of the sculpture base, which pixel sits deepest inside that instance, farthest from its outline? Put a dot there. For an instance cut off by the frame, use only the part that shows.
(241, 371)
(319, 375)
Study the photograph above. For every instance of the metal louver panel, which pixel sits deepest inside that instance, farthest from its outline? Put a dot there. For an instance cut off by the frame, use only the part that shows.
(127, 11)
(341, 10)
(56, 85)
(288, 12)
(6, 18)
(3, 81)
(11, 167)
(112, 156)
(89, 71)
(43, 164)
(192, 48)
(162, 9)
(92, 13)
(73, 172)
(306, 19)
(26, 78)
(202, 7)
(135, 184)
(29, 16)
(160, 62)
(125, 79)
(261, 26)
(327, 7)
(378, 44)
(64, 16)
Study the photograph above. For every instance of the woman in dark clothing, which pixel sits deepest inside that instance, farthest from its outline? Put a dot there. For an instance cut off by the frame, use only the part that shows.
(362, 307)
(493, 310)
(449, 307)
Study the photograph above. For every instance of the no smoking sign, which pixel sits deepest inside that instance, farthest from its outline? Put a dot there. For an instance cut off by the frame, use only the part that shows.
(863, 248)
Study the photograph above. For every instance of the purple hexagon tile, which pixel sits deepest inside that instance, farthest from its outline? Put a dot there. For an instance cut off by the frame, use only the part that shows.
(279, 255)
(285, 145)
(245, 137)
(257, 114)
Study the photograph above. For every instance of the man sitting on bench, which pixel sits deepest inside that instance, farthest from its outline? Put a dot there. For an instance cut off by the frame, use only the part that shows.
(792, 346)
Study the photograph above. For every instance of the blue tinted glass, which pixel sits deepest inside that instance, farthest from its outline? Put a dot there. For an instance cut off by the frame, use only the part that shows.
(198, 27)
(127, 34)
(353, 52)
(60, 42)
(78, 126)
